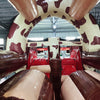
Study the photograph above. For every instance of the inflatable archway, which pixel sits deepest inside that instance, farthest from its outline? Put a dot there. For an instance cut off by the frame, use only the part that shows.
(87, 27)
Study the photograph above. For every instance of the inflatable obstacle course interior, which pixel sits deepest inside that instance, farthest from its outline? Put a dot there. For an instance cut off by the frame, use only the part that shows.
(52, 69)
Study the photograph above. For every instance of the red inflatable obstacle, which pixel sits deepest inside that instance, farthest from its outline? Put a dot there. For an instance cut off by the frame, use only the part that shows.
(32, 55)
(69, 64)
(34, 60)
(75, 54)
(73, 63)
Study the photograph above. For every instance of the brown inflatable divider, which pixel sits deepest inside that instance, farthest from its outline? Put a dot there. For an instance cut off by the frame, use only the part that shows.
(88, 86)
(10, 61)
(55, 77)
(91, 59)
(27, 85)
(27, 8)
(79, 8)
